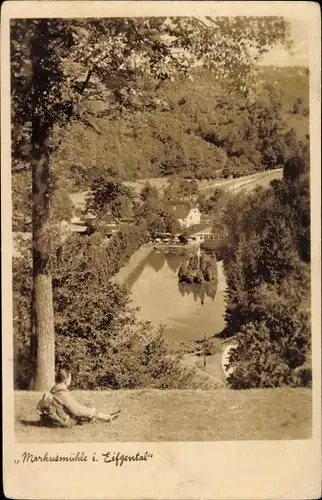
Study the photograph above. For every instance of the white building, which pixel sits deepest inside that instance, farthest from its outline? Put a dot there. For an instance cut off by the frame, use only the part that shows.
(199, 233)
(188, 214)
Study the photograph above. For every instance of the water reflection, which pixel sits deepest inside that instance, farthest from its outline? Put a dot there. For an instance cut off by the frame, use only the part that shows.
(199, 292)
(135, 275)
(156, 260)
(174, 260)
(186, 310)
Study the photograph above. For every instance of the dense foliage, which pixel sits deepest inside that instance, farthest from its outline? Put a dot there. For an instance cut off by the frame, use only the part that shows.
(118, 152)
(198, 270)
(268, 276)
(122, 246)
(61, 205)
(97, 334)
(108, 194)
(193, 130)
(155, 211)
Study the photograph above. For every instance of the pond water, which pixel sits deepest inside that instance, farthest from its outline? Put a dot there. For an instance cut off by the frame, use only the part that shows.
(187, 311)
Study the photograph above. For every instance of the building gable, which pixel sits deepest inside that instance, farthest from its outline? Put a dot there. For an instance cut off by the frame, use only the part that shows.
(181, 209)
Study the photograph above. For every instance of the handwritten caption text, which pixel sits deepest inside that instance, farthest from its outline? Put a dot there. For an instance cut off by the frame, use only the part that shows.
(109, 457)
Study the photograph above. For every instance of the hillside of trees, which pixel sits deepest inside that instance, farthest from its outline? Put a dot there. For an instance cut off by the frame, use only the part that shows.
(189, 128)
(268, 277)
(193, 129)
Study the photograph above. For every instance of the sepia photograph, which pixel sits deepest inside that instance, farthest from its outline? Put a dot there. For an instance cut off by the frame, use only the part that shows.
(161, 252)
(161, 226)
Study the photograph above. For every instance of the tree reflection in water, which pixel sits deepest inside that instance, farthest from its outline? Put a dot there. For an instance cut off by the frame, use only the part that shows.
(156, 260)
(199, 292)
(173, 257)
(173, 261)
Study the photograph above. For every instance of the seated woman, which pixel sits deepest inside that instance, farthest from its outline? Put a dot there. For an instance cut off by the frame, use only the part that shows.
(59, 407)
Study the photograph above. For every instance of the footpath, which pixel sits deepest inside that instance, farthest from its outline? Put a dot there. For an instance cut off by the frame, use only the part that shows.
(212, 372)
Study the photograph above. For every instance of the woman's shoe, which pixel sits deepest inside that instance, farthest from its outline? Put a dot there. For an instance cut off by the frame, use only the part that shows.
(115, 415)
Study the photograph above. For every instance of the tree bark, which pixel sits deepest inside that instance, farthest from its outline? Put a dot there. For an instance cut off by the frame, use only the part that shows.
(45, 360)
(33, 340)
(45, 74)
(42, 281)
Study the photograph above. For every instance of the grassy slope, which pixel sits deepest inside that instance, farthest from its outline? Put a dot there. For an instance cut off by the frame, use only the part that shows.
(152, 415)
(259, 182)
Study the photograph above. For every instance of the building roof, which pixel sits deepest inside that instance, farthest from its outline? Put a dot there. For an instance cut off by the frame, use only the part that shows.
(112, 227)
(77, 228)
(198, 228)
(108, 218)
(181, 208)
(127, 220)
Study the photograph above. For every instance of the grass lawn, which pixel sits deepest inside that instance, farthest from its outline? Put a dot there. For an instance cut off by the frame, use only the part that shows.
(259, 182)
(154, 415)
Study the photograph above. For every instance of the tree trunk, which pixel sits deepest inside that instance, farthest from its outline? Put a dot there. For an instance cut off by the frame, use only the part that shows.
(43, 99)
(48, 107)
(33, 340)
(45, 361)
(42, 281)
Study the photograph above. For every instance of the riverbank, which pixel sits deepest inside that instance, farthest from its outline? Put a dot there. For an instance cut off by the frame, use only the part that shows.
(137, 258)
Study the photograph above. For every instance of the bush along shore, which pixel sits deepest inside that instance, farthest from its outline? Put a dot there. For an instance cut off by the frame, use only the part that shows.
(199, 269)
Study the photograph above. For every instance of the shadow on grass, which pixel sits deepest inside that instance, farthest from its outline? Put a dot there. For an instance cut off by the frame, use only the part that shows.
(37, 423)
(31, 423)
(225, 335)
(50, 425)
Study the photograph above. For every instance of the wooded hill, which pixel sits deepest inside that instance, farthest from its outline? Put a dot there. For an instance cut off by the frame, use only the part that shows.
(189, 128)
